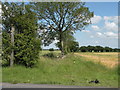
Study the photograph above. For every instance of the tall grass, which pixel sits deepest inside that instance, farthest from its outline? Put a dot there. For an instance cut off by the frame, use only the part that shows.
(72, 70)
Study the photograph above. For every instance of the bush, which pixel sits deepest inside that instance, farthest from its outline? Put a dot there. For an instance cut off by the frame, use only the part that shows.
(51, 49)
(50, 55)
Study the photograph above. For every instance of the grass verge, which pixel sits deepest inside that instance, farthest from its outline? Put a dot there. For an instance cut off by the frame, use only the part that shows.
(72, 70)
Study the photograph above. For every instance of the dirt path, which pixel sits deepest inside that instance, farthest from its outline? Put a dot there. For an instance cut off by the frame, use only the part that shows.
(107, 61)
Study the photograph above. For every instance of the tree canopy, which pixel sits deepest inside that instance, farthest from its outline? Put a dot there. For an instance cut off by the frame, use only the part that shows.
(55, 18)
(27, 44)
(90, 48)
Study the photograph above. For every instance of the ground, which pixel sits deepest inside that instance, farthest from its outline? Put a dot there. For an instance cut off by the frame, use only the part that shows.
(75, 69)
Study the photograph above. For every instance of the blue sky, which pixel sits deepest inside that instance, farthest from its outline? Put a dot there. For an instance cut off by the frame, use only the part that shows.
(104, 28)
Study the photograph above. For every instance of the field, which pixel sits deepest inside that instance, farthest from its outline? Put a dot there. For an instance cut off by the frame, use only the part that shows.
(74, 69)
(110, 59)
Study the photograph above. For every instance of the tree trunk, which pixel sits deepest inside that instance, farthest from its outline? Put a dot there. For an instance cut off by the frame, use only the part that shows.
(61, 43)
(12, 43)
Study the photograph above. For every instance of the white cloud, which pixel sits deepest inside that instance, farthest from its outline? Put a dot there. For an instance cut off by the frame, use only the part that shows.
(85, 31)
(111, 34)
(111, 23)
(111, 26)
(99, 34)
(52, 45)
(107, 35)
(108, 27)
(55, 41)
(96, 42)
(95, 27)
(111, 18)
(91, 36)
(96, 19)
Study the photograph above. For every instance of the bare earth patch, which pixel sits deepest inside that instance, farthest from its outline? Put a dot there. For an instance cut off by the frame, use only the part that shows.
(107, 61)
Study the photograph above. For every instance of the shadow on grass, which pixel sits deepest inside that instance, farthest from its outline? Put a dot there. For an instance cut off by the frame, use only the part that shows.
(5, 64)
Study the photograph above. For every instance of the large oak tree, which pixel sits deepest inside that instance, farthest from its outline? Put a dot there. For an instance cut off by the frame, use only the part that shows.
(55, 18)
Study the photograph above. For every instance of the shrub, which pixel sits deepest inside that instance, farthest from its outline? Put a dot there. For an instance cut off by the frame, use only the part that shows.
(26, 43)
(51, 49)
(50, 55)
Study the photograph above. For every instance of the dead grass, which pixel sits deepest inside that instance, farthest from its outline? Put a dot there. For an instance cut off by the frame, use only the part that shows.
(108, 61)
(107, 53)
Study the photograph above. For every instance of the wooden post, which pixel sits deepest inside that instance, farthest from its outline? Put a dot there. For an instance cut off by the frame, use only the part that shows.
(12, 43)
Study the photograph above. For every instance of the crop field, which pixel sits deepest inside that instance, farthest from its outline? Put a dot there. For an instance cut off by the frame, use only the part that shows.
(74, 69)
(110, 59)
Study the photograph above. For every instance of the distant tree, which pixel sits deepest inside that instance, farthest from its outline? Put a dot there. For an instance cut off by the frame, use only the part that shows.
(101, 49)
(116, 50)
(51, 49)
(108, 49)
(56, 18)
(83, 49)
(90, 48)
(97, 49)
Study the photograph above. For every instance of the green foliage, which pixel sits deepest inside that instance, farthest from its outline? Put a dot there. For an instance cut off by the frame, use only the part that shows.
(97, 49)
(74, 47)
(6, 46)
(51, 49)
(83, 49)
(108, 49)
(49, 55)
(70, 45)
(56, 18)
(26, 44)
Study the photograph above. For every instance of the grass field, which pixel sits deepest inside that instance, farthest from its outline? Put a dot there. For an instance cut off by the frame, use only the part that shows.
(74, 69)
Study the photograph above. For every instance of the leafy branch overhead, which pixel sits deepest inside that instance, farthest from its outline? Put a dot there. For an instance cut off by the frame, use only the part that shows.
(63, 15)
(55, 18)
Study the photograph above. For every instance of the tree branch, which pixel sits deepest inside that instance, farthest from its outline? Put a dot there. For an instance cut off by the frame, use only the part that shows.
(70, 23)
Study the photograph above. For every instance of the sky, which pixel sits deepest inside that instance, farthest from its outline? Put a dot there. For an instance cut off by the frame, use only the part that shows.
(104, 28)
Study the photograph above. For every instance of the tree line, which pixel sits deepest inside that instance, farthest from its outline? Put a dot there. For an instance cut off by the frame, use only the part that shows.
(97, 49)
(76, 48)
